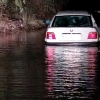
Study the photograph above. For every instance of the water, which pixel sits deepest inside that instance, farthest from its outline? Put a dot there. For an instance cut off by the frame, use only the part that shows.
(71, 72)
(29, 70)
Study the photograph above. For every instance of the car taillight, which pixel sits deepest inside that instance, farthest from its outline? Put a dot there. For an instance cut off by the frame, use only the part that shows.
(92, 35)
(50, 35)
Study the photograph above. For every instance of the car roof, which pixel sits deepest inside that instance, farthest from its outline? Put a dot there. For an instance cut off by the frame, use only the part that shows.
(61, 13)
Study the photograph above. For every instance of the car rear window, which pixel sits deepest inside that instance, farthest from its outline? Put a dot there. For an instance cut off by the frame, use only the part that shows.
(72, 21)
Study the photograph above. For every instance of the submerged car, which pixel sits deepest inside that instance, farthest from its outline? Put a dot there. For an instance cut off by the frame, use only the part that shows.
(72, 28)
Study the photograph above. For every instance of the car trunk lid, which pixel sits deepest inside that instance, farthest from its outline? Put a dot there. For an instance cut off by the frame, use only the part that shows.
(72, 33)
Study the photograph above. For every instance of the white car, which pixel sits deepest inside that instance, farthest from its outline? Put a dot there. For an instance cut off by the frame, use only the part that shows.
(72, 28)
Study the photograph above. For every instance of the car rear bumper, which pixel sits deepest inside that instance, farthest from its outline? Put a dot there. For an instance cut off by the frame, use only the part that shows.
(73, 44)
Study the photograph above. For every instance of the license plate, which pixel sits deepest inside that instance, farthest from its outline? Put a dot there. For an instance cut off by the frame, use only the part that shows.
(71, 36)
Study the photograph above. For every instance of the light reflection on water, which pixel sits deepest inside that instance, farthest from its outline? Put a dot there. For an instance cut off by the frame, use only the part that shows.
(71, 72)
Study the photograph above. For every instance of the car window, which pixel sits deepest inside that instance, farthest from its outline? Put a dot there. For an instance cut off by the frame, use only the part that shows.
(72, 21)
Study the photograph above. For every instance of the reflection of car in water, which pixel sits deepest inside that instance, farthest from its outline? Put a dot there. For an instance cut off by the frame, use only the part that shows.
(70, 71)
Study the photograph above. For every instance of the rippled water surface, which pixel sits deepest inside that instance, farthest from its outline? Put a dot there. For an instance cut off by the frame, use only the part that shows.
(29, 70)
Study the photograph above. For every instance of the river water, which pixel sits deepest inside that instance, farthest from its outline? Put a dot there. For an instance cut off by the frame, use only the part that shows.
(29, 70)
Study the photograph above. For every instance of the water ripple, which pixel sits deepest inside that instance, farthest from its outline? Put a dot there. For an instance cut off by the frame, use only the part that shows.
(71, 71)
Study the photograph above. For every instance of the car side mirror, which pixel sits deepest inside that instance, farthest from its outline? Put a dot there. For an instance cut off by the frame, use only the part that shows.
(47, 22)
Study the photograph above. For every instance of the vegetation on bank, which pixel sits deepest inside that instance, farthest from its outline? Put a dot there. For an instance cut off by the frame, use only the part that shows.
(15, 14)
